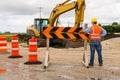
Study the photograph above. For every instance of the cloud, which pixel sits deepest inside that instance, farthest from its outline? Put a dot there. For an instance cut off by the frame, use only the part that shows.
(16, 15)
(15, 23)
(106, 11)
(18, 7)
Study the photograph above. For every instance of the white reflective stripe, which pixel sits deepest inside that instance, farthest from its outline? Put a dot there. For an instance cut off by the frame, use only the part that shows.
(15, 48)
(95, 36)
(32, 53)
(3, 47)
(14, 40)
(3, 41)
(33, 43)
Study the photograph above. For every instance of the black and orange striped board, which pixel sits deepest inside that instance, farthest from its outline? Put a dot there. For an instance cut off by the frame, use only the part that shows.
(64, 32)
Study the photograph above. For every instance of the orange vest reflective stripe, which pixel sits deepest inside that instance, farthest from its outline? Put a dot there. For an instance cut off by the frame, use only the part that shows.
(95, 33)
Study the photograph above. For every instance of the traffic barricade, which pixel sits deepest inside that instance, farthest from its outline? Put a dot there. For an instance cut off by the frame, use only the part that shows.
(15, 47)
(3, 45)
(33, 56)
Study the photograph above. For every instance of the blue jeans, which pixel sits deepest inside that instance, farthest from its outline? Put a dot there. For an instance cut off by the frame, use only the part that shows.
(95, 45)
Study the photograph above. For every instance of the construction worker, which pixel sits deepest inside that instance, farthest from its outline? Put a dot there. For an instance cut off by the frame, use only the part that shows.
(95, 35)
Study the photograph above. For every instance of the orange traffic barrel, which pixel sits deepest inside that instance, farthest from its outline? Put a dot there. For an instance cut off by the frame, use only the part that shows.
(15, 47)
(3, 44)
(3, 71)
(33, 56)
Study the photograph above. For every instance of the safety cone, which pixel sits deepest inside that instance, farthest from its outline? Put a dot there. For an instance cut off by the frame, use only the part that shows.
(33, 56)
(3, 71)
(3, 45)
(15, 48)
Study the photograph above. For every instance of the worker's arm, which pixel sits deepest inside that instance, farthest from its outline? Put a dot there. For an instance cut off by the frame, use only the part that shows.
(88, 29)
(104, 32)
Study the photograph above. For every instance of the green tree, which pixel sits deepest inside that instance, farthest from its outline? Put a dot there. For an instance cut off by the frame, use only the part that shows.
(114, 24)
(115, 27)
(99, 24)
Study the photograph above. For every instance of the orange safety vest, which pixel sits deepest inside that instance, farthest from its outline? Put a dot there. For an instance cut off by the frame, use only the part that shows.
(95, 33)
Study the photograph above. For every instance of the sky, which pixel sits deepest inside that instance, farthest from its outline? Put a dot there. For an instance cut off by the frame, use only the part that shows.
(16, 15)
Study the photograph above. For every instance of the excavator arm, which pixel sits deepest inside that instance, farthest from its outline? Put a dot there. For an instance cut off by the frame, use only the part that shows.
(79, 12)
(79, 7)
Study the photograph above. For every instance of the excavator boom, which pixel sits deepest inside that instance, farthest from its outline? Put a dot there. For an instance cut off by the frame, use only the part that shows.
(60, 9)
(79, 12)
(79, 7)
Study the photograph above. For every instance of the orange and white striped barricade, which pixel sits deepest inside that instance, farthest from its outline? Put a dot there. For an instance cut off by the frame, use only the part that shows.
(15, 47)
(3, 45)
(33, 56)
(3, 71)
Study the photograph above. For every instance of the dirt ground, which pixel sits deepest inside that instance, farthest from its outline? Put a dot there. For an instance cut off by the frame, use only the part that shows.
(65, 64)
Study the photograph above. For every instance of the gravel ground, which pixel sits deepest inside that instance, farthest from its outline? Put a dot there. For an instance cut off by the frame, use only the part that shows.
(65, 64)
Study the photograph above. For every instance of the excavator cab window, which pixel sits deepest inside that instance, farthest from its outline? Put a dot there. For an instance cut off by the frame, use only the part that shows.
(37, 24)
(44, 23)
(40, 23)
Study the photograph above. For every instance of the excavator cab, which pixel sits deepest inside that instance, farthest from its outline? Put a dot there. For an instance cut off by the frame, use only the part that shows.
(37, 28)
(40, 23)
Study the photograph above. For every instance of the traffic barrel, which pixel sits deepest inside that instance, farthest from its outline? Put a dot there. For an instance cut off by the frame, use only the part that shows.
(33, 56)
(3, 44)
(15, 47)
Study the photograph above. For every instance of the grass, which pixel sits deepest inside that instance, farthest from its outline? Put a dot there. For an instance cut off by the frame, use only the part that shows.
(9, 36)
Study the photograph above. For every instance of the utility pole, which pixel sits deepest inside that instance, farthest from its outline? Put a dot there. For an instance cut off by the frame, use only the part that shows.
(68, 23)
(40, 9)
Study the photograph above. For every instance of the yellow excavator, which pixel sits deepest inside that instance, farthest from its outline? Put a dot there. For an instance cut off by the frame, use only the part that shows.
(40, 23)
